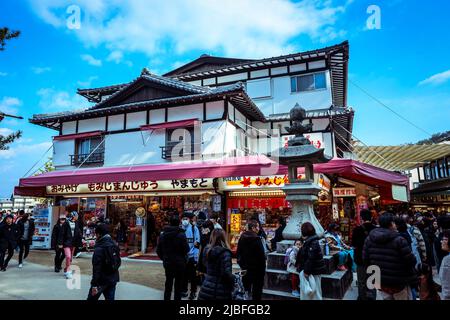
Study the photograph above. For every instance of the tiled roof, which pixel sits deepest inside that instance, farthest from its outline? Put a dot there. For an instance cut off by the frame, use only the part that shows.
(237, 92)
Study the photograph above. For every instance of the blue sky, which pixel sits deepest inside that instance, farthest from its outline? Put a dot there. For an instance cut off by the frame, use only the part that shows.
(405, 63)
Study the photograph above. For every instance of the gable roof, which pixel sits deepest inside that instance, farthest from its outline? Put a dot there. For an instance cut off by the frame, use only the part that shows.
(203, 63)
(182, 88)
(235, 93)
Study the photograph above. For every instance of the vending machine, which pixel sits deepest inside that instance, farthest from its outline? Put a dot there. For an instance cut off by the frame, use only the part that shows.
(44, 217)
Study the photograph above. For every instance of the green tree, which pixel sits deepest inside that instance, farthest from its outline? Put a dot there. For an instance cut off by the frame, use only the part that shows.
(7, 34)
(47, 167)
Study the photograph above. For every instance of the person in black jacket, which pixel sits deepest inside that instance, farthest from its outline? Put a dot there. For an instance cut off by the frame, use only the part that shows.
(26, 230)
(9, 235)
(387, 249)
(251, 257)
(172, 249)
(359, 235)
(278, 234)
(205, 236)
(105, 265)
(219, 279)
(310, 257)
(62, 243)
(76, 227)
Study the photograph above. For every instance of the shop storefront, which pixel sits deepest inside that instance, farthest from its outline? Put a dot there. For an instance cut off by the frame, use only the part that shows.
(127, 207)
(261, 198)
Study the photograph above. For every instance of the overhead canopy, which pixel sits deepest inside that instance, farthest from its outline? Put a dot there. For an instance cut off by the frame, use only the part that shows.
(404, 157)
(170, 125)
(78, 135)
(228, 167)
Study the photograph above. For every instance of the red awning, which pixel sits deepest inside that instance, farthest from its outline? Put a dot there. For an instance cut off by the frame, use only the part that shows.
(220, 168)
(228, 167)
(171, 125)
(78, 135)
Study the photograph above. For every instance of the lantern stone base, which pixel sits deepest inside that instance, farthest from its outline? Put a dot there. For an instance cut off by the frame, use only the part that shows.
(301, 195)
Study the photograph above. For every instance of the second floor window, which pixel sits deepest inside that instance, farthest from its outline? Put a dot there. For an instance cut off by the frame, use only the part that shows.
(88, 151)
(308, 82)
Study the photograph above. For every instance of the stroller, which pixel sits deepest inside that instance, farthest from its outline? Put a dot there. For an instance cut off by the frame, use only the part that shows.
(239, 292)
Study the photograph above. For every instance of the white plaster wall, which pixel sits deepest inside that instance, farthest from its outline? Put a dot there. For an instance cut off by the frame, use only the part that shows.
(214, 110)
(259, 73)
(62, 149)
(413, 178)
(69, 127)
(115, 122)
(320, 124)
(213, 138)
(92, 124)
(157, 116)
(240, 119)
(232, 77)
(128, 148)
(191, 111)
(136, 119)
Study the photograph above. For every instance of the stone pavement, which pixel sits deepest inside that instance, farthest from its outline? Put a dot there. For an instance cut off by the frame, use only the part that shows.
(37, 282)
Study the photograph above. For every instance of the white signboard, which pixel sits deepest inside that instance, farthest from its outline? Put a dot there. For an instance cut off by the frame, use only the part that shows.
(132, 186)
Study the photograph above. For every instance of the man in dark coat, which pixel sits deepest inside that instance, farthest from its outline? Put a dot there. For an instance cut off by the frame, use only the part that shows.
(105, 265)
(26, 230)
(359, 236)
(62, 243)
(251, 257)
(387, 249)
(9, 235)
(76, 227)
(172, 249)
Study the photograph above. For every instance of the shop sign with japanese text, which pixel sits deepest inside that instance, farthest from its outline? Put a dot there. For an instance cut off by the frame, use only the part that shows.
(235, 223)
(132, 186)
(344, 192)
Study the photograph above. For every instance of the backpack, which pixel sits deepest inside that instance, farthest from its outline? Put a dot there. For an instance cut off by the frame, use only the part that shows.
(112, 259)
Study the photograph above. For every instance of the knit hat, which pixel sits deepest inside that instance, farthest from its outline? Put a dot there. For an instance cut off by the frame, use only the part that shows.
(62, 216)
(9, 216)
(188, 214)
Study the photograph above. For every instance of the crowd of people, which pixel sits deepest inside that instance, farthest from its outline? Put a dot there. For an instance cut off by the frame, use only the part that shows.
(408, 250)
(16, 233)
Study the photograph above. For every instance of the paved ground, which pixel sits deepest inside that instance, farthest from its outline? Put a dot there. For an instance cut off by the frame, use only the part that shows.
(38, 282)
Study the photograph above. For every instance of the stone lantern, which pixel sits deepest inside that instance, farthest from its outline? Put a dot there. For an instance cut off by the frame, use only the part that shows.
(301, 193)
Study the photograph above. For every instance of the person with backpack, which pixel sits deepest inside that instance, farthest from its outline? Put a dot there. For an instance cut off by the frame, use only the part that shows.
(193, 238)
(251, 257)
(219, 279)
(105, 265)
(359, 235)
(9, 235)
(172, 249)
(290, 260)
(26, 229)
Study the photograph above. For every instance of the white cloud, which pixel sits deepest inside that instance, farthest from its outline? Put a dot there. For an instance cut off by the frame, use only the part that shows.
(21, 149)
(9, 105)
(3, 74)
(52, 100)
(39, 70)
(88, 82)
(5, 131)
(436, 79)
(91, 60)
(246, 28)
(117, 57)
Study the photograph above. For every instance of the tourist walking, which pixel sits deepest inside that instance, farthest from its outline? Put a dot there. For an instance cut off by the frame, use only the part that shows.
(9, 235)
(219, 278)
(387, 249)
(205, 236)
(62, 243)
(193, 239)
(444, 271)
(359, 235)
(105, 265)
(76, 227)
(310, 263)
(251, 257)
(173, 249)
(26, 230)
